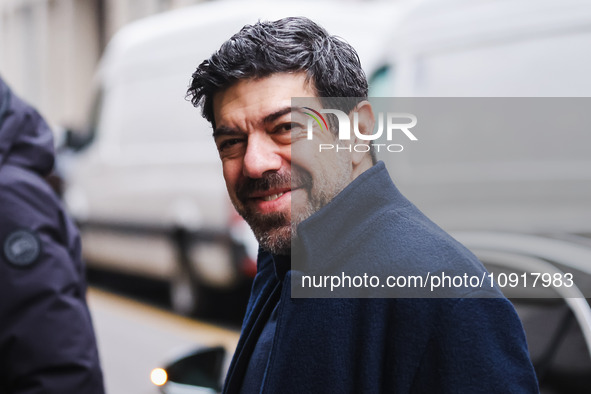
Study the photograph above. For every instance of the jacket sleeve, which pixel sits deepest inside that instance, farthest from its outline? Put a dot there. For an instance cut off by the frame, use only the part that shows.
(47, 342)
(480, 347)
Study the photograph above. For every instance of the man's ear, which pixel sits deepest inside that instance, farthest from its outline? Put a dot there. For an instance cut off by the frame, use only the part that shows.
(365, 121)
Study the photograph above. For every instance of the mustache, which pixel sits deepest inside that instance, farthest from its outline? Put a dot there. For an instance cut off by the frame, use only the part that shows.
(273, 180)
(270, 180)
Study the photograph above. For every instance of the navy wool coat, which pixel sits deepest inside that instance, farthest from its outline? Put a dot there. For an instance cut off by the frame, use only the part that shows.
(465, 344)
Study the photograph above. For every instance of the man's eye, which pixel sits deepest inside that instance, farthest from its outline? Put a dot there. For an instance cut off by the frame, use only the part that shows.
(226, 144)
(288, 127)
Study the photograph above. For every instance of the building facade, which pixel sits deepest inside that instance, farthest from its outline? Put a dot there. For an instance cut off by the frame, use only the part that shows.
(49, 49)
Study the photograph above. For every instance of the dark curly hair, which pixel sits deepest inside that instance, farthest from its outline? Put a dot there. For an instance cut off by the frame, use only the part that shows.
(286, 45)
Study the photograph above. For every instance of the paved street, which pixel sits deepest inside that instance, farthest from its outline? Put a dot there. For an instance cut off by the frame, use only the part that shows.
(135, 338)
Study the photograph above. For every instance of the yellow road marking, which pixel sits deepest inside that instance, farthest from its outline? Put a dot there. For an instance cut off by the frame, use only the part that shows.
(200, 332)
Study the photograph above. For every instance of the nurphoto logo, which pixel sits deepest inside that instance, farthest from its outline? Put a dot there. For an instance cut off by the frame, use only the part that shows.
(395, 123)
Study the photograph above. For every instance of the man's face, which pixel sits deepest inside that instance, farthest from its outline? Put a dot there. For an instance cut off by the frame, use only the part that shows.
(254, 136)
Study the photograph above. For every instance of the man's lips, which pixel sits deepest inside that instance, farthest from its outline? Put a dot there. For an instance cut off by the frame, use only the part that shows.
(269, 195)
(273, 200)
(272, 197)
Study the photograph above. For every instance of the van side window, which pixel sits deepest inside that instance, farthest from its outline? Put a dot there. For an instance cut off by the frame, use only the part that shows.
(80, 139)
(95, 115)
(381, 82)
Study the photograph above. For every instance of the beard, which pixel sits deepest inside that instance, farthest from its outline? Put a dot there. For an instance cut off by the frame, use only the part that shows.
(272, 230)
(275, 231)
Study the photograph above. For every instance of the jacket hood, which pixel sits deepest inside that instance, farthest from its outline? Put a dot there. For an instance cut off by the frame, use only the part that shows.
(25, 138)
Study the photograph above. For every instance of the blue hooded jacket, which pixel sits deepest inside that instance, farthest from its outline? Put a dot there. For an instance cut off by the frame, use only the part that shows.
(47, 342)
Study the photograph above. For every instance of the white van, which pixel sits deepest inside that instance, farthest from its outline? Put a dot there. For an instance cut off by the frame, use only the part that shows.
(147, 188)
(148, 191)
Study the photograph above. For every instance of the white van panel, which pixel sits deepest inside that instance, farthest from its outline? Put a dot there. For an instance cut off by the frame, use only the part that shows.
(466, 179)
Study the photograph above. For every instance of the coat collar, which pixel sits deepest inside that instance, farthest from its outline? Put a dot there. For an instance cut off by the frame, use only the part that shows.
(351, 212)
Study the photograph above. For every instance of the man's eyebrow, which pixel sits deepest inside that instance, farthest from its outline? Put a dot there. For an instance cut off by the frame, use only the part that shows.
(224, 130)
(277, 114)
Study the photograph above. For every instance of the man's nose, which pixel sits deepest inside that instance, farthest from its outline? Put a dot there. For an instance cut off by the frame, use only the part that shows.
(262, 155)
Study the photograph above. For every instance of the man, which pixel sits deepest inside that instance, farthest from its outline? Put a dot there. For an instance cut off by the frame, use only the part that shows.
(293, 197)
(47, 343)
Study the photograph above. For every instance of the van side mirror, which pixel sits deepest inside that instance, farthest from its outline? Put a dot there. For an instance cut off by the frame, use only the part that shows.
(198, 372)
(75, 139)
